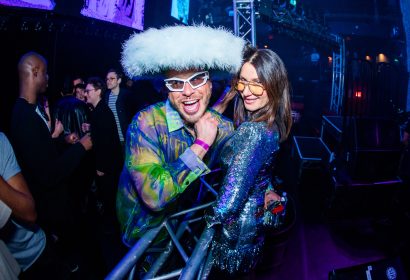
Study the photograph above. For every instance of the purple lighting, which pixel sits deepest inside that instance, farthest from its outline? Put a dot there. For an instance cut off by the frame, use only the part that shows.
(127, 13)
(36, 4)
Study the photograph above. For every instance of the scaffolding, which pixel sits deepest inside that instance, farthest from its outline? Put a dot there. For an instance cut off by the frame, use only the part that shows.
(177, 226)
(296, 25)
(244, 20)
(338, 73)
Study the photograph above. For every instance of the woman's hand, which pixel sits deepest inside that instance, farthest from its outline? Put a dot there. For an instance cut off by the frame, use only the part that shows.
(269, 197)
(85, 127)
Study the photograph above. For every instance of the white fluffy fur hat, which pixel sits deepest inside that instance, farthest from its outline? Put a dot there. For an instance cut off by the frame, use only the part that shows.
(181, 48)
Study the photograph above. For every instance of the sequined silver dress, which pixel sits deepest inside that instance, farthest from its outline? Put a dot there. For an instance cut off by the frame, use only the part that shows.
(247, 160)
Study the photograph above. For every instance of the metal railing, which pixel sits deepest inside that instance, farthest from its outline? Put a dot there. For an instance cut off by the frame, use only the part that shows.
(181, 222)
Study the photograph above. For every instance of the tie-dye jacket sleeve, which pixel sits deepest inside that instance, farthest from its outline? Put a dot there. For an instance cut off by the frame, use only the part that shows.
(158, 174)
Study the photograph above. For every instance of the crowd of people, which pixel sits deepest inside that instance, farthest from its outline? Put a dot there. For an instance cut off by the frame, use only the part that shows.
(98, 158)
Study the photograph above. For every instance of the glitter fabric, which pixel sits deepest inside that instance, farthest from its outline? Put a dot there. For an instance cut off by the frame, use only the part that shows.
(247, 160)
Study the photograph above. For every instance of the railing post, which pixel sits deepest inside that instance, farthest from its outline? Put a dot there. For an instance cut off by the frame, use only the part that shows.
(191, 269)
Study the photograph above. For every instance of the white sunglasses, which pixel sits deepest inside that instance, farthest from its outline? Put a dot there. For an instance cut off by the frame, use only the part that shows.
(195, 81)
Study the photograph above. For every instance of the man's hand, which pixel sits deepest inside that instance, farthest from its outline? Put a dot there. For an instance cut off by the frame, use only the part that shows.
(71, 138)
(85, 127)
(206, 128)
(58, 129)
(269, 197)
(86, 142)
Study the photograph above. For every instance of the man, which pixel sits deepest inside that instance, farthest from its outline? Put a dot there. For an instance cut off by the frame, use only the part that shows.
(9, 268)
(73, 112)
(27, 242)
(13, 188)
(44, 169)
(170, 144)
(24, 239)
(77, 80)
(121, 102)
(79, 92)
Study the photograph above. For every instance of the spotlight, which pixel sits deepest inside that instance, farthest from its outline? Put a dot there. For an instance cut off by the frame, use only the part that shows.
(358, 94)
(382, 58)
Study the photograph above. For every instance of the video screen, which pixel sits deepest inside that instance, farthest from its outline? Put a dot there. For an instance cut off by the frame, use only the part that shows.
(36, 4)
(126, 12)
(180, 10)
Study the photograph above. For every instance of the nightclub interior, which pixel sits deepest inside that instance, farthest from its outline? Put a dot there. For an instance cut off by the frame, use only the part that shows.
(344, 167)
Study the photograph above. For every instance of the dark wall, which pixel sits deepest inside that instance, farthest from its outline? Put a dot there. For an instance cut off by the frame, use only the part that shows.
(67, 53)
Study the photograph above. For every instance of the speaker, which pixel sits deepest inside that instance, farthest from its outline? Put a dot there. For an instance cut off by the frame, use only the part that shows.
(372, 148)
(387, 269)
(331, 132)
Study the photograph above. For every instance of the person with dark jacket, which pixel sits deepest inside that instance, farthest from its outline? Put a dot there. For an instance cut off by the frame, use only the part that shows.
(122, 102)
(72, 113)
(109, 160)
(45, 170)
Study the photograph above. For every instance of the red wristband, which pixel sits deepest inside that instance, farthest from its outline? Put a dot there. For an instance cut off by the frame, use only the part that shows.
(202, 144)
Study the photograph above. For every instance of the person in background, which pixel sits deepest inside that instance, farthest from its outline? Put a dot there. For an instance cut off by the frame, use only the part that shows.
(72, 112)
(44, 168)
(79, 92)
(121, 101)
(9, 268)
(108, 164)
(77, 80)
(25, 240)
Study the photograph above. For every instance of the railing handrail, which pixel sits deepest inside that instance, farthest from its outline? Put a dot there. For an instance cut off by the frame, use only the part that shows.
(128, 262)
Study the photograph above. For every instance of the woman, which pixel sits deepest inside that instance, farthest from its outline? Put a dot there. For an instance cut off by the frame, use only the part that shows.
(108, 161)
(263, 119)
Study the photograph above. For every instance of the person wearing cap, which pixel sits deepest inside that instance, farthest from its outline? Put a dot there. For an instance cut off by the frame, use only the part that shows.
(170, 144)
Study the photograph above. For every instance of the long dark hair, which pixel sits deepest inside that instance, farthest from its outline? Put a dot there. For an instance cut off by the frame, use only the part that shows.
(273, 76)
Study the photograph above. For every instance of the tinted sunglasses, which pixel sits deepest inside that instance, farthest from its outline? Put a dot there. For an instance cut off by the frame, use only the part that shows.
(255, 88)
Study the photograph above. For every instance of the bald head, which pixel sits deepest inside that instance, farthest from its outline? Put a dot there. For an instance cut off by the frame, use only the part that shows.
(29, 61)
(32, 69)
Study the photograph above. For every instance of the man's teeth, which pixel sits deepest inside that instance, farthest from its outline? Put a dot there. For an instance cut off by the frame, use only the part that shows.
(190, 102)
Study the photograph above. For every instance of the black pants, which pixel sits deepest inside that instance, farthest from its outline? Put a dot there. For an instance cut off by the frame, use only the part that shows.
(107, 226)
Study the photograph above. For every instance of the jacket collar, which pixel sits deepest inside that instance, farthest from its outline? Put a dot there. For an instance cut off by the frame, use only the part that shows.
(174, 120)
